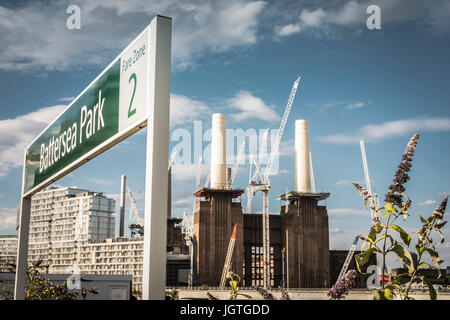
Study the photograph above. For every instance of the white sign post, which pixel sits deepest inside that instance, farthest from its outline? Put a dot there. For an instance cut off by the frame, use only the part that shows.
(131, 93)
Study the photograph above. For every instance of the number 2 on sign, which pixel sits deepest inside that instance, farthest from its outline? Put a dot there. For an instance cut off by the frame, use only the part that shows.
(131, 112)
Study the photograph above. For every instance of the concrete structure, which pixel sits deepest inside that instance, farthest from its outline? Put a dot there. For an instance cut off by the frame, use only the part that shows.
(218, 152)
(253, 250)
(337, 259)
(300, 294)
(302, 157)
(74, 228)
(214, 219)
(302, 226)
(8, 251)
(61, 219)
(306, 237)
(109, 287)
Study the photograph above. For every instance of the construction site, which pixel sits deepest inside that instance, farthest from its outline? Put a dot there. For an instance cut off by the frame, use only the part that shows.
(216, 242)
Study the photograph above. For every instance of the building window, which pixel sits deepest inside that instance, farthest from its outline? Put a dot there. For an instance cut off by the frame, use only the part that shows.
(257, 267)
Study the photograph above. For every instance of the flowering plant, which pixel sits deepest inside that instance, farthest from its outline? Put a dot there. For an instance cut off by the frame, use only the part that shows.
(397, 205)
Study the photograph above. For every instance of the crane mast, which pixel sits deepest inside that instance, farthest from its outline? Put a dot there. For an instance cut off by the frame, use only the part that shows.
(264, 186)
(138, 226)
(373, 213)
(237, 160)
(348, 259)
(227, 266)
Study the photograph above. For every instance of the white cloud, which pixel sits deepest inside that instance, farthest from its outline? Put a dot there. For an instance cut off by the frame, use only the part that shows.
(8, 218)
(183, 203)
(184, 109)
(289, 29)
(312, 18)
(66, 99)
(335, 230)
(428, 202)
(252, 107)
(34, 36)
(101, 182)
(356, 105)
(345, 182)
(278, 172)
(435, 16)
(347, 211)
(390, 129)
(188, 173)
(17, 133)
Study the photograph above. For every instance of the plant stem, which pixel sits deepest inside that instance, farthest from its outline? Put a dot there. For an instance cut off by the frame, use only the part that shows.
(413, 276)
(383, 261)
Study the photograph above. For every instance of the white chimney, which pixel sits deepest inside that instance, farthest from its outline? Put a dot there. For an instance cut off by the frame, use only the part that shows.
(302, 166)
(218, 152)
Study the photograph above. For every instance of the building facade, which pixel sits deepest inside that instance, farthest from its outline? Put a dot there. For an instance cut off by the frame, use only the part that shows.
(64, 218)
(8, 251)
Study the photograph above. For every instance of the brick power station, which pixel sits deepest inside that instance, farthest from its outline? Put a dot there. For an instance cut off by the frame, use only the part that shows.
(301, 227)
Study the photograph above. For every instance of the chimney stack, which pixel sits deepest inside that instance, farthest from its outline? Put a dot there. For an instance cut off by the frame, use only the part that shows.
(218, 152)
(122, 204)
(302, 165)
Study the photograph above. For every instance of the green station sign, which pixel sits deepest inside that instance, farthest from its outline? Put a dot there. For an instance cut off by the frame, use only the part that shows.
(112, 105)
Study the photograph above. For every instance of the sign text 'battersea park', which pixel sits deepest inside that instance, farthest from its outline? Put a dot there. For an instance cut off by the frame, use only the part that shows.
(110, 107)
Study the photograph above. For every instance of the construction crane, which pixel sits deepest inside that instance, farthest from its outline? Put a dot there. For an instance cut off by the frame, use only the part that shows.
(256, 176)
(264, 186)
(227, 266)
(138, 226)
(374, 215)
(348, 259)
(237, 160)
(188, 231)
(172, 157)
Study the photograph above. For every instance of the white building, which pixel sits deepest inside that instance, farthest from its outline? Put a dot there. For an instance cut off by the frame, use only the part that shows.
(8, 251)
(119, 256)
(73, 229)
(62, 219)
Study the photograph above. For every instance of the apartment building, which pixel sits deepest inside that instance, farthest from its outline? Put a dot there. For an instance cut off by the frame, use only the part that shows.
(62, 219)
(8, 251)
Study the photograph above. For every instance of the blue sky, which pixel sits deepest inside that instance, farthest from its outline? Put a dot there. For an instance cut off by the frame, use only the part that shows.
(239, 56)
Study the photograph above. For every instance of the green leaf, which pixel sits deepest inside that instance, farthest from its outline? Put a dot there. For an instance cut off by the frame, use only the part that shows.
(404, 256)
(397, 279)
(388, 294)
(405, 236)
(419, 250)
(440, 233)
(362, 258)
(440, 225)
(389, 207)
(246, 296)
(384, 237)
(423, 264)
(430, 287)
(436, 261)
(233, 285)
(422, 219)
(372, 234)
(387, 213)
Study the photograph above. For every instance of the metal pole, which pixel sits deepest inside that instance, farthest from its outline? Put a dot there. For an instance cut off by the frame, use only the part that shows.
(123, 182)
(282, 267)
(156, 179)
(22, 249)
